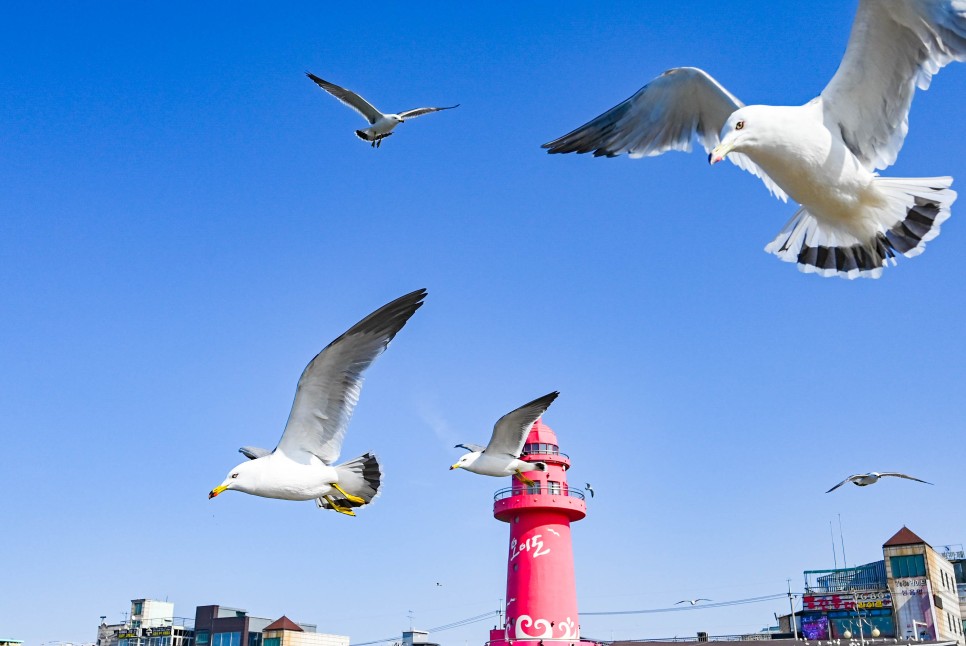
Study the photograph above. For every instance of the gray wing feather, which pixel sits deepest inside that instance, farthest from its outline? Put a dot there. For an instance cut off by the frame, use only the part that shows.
(849, 479)
(329, 387)
(472, 448)
(253, 452)
(666, 114)
(349, 98)
(418, 112)
(902, 475)
(893, 48)
(510, 431)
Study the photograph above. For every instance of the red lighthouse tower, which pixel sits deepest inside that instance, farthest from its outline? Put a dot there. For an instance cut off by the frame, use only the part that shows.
(541, 594)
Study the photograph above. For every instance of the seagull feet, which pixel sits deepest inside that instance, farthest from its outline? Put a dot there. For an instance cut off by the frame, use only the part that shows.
(525, 480)
(348, 496)
(339, 508)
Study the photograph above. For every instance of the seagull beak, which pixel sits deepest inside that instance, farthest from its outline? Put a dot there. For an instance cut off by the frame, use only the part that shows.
(719, 152)
(217, 490)
(455, 466)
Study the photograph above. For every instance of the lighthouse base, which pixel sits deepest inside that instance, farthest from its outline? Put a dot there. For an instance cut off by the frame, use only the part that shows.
(498, 638)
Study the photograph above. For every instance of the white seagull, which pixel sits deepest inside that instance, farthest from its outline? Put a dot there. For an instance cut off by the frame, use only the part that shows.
(691, 601)
(301, 466)
(589, 489)
(822, 154)
(501, 456)
(381, 125)
(866, 479)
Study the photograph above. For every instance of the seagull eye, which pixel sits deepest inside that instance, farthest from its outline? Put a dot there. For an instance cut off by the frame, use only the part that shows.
(234, 475)
(739, 125)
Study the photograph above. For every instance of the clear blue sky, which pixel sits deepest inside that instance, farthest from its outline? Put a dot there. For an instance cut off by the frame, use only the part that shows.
(185, 220)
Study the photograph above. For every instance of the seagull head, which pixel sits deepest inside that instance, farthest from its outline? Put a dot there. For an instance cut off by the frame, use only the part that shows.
(738, 133)
(244, 478)
(466, 460)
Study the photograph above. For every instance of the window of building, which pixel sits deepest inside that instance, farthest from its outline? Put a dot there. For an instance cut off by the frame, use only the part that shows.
(908, 566)
(138, 608)
(201, 638)
(534, 488)
(254, 639)
(553, 488)
(272, 641)
(226, 639)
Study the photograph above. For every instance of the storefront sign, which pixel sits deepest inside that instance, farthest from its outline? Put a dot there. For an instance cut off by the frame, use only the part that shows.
(847, 601)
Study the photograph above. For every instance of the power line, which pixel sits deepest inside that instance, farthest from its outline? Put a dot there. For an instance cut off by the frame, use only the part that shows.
(438, 629)
(720, 604)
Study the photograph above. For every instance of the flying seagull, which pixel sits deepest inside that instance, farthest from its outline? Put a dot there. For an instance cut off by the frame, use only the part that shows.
(589, 489)
(301, 466)
(501, 457)
(691, 601)
(851, 222)
(380, 125)
(865, 479)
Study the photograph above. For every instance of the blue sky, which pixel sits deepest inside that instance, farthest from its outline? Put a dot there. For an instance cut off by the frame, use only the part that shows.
(187, 220)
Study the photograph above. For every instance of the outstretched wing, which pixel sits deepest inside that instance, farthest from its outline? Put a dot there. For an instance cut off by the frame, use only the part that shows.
(510, 431)
(418, 112)
(472, 448)
(666, 114)
(329, 387)
(253, 452)
(849, 479)
(893, 48)
(349, 98)
(902, 475)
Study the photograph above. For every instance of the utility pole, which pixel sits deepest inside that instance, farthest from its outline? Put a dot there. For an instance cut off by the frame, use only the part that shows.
(791, 610)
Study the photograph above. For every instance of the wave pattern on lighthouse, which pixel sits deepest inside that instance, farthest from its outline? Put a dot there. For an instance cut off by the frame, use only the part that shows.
(541, 592)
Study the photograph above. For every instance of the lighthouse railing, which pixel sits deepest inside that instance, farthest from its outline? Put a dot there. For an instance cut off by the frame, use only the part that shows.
(537, 489)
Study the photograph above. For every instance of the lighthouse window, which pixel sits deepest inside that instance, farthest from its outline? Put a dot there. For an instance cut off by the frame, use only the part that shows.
(554, 488)
(534, 488)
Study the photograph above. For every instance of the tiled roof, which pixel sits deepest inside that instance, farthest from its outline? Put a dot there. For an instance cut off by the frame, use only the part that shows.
(904, 536)
(282, 623)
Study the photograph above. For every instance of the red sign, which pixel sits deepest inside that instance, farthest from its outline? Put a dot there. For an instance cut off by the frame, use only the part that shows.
(847, 601)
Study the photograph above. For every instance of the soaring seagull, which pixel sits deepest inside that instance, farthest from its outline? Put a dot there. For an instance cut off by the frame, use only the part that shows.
(693, 602)
(866, 479)
(380, 125)
(501, 457)
(301, 466)
(823, 154)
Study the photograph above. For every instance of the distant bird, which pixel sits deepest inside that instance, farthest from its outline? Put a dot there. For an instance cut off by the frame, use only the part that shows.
(589, 489)
(691, 601)
(866, 479)
(300, 467)
(823, 154)
(501, 455)
(381, 125)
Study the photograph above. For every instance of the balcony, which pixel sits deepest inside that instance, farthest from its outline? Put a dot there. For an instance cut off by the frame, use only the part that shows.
(537, 489)
(871, 576)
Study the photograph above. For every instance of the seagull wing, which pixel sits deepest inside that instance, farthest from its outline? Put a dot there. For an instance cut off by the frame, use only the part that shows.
(666, 114)
(903, 475)
(472, 448)
(682, 601)
(329, 387)
(849, 479)
(349, 98)
(253, 452)
(418, 112)
(510, 431)
(893, 48)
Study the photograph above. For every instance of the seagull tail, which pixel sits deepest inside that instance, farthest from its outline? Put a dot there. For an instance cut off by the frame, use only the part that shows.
(905, 219)
(360, 477)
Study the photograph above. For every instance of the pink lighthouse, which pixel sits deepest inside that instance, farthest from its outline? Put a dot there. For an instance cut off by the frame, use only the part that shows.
(541, 594)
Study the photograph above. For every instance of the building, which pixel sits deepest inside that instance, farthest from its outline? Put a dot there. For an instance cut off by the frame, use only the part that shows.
(911, 593)
(149, 623)
(223, 626)
(955, 555)
(923, 584)
(285, 632)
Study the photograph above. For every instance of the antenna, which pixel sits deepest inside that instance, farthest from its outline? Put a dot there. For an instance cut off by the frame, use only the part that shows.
(410, 614)
(845, 563)
(831, 533)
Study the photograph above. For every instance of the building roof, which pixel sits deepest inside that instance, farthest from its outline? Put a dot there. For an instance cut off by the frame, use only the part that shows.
(283, 623)
(904, 536)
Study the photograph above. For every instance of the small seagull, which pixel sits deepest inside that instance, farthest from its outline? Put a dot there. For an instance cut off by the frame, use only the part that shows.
(501, 457)
(381, 125)
(301, 466)
(589, 489)
(691, 601)
(865, 479)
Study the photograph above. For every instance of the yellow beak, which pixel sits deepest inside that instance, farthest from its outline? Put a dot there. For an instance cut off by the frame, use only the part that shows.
(719, 152)
(217, 490)
(455, 466)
